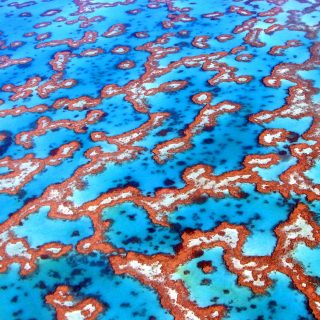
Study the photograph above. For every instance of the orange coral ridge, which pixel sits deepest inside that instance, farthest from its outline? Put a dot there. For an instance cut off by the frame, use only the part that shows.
(67, 308)
(206, 118)
(45, 124)
(18, 250)
(23, 170)
(157, 270)
(199, 180)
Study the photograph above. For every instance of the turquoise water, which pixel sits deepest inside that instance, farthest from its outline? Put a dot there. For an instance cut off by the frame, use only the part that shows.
(221, 146)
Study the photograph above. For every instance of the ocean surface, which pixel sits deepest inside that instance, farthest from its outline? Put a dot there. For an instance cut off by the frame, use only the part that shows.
(159, 159)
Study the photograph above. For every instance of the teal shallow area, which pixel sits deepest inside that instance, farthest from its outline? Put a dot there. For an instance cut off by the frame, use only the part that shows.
(223, 147)
(243, 304)
(89, 276)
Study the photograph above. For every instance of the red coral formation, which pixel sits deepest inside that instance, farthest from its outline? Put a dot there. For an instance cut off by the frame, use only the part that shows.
(201, 42)
(206, 118)
(68, 308)
(21, 171)
(278, 50)
(88, 37)
(45, 124)
(157, 270)
(115, 30)
(6, 61)
(199, 181)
